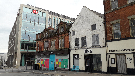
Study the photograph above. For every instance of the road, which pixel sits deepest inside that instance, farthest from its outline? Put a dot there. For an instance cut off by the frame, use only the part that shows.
(22, 72)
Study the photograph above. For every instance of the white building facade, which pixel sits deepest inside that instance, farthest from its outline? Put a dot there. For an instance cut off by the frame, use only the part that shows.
(87, 42)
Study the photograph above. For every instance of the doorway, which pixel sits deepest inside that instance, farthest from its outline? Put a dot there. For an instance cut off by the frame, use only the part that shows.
(121, 64)
(88, 63)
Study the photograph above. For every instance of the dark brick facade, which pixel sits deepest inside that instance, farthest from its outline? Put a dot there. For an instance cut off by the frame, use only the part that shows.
(123, 11)
(53, 34)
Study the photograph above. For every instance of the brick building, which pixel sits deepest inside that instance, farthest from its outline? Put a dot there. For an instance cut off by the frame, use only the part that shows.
(53, 44)
(120, 35)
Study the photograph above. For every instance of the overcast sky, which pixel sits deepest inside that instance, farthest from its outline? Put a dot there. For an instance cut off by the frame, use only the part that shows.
(9, 9)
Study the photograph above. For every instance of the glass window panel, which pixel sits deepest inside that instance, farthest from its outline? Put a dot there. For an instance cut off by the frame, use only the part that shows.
(59, 20)
(29, 10)
(24, 16)
(53, 22)
(24, 9)
(56, 21)
(77, 42)
(114, 4)
(63, 42)
(43, 20)
(116, 30)
(27, 26)
(36, 27)
(50, 21)
(40, 13)
(28, 16)
(40, 19)
(44, 14)
(36, 18)
(23, 25)
(32, 17)
(32, 35)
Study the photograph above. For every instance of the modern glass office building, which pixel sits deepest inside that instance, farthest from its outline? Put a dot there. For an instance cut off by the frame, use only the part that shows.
(29, 22)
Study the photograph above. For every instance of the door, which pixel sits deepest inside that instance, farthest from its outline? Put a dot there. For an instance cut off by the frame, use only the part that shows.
(89, 63)
(121, 64)
(51, 62)
(76, 61)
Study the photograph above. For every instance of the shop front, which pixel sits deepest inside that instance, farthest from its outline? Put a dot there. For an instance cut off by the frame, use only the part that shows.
(95, 60)
(120, 56)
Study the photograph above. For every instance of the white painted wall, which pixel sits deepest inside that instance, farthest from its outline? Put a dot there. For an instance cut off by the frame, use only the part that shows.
(82, 27)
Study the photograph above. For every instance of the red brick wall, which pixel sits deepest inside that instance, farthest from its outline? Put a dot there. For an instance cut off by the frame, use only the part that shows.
(57, 43)
(66, 41)
(107, 5)
(124, 22)
(122, 3)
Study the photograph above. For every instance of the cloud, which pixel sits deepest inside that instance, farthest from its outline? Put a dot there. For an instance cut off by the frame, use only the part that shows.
(9, 9)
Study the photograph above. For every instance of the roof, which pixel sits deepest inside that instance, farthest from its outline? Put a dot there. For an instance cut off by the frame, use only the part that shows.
(99, 14)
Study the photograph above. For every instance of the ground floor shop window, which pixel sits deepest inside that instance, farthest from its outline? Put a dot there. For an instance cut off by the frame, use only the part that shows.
(97, 64)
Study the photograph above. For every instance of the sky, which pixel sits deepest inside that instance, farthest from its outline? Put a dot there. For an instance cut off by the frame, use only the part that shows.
(70, 8)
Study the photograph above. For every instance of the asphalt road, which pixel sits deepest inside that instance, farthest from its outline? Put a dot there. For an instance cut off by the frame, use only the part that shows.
(16, 72)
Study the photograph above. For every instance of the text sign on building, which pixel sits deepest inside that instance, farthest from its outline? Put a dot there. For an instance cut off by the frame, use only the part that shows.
(88, 51)
(35, 11)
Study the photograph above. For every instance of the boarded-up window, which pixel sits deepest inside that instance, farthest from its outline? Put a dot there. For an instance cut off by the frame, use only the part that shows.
(73, 33)
(83, 39)
(116, 31)
(114, 4)
(95, 39)
(132, 27)
(93, 27)
(76, 41)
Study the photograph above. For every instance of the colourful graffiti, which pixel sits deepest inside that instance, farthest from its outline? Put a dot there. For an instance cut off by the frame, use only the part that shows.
(63, 63)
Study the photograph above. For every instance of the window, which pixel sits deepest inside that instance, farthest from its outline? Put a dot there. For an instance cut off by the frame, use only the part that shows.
(95, 39)
(116, 31)
(49, 21)
(56, 21)
(28, 16)
(59, 20)
(62, 29)
(132, 27)
(83, 39)
(114, 4)
(52, 43)
(46, 44)
(44, 34)
(38, 46)
(62, 42)
(59, 43)
(38, 36)
(76, 41)
(53, 22)
(93, 27)
(129, 1)
(73, 33)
